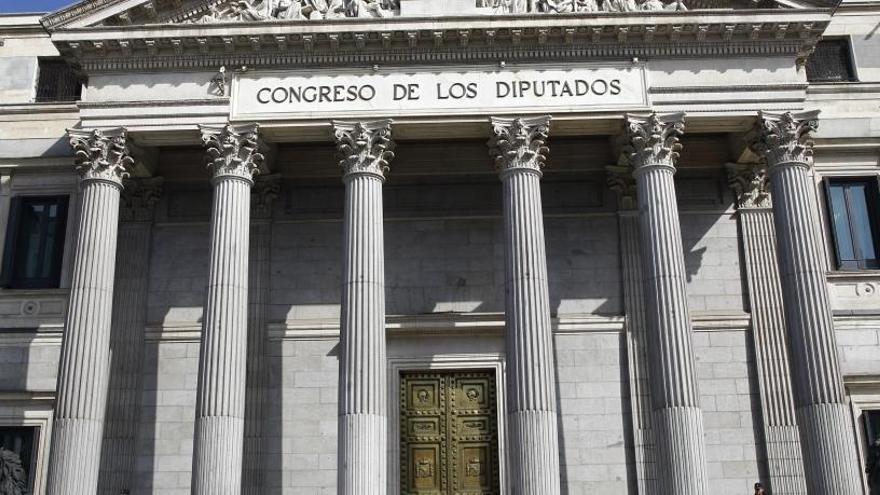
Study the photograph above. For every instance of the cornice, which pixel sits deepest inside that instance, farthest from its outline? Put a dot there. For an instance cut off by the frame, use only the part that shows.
(400, 41)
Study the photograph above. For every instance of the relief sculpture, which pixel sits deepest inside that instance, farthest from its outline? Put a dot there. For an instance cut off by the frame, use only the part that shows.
(267, 10)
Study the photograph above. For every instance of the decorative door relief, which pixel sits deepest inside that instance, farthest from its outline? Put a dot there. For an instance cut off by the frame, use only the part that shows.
(449, 434)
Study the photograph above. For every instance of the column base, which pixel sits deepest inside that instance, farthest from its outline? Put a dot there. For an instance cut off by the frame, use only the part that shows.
(829, 451)
(534, 452)
(362, 454)
(681, 456)
(218, 456)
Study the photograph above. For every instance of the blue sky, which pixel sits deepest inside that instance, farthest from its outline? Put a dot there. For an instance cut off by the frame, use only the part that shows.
(10, 6)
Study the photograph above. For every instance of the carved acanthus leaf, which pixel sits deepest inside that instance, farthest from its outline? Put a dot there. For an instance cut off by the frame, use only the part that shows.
(101, 154)
(652, 139)
(266, 189)
(785, 137)
(519, 143)
(234, 150)
(750, 183)
(364, 147)
(620, 180)
(139, 199)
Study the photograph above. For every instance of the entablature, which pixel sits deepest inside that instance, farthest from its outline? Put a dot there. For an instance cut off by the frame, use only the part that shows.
(405, 40)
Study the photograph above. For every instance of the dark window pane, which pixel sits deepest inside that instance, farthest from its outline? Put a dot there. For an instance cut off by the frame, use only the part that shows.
(861, 221)
(57, 82)
(853, 207)
(830, 62)
(840, 221)
(36, 243)
(872, 426)
(17, 446)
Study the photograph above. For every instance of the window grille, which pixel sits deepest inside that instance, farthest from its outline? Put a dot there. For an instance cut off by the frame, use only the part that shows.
(831, 62)
(57, 82)
(17, 449)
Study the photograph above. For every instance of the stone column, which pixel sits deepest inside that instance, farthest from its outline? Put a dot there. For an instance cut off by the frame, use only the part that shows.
(234, 155)
(365, 150)
(127, 334)
(823, 417)
(102, 161)
(518, 147)
(265, 190)
(621, 181)
(784, 462)
(651, 149)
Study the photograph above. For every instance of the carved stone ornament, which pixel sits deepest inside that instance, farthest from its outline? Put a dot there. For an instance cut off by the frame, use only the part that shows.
(519, 143)
(785, 137)
(101, 154)
(652, 140)
(266, 189)
(265, 10)
(233, 150)
(13, 477)
(750, 183)
(139, 199)
(364, 147)
(620, 180)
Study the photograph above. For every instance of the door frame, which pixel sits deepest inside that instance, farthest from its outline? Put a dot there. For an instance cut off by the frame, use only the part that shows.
(450, 362)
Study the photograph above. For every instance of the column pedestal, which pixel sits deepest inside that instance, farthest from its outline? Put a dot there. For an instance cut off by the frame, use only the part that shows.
(102, 160)
(520, 154)
(365, 151)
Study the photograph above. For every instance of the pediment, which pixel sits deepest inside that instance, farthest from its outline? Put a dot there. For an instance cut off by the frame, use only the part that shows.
(93, 13)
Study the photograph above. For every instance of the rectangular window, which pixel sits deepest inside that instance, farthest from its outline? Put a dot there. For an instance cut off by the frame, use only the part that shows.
(852, 208)
(831, 62)
(18, 452)
(35, 242)
(872, 425)
(57, 82)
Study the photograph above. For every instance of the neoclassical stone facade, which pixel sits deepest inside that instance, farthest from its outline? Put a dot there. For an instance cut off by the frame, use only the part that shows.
(379, 247)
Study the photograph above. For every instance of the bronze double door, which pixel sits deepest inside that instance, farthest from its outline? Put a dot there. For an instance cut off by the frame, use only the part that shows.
(448, 433)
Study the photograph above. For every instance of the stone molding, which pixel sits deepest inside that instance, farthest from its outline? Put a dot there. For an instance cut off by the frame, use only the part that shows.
(519, 143)
(264, 192)
(101, 155)
(139, 198)
(784, 138)
(233, 151)
(750, 183)
(651, 140)
(402, 40)
(364, 147)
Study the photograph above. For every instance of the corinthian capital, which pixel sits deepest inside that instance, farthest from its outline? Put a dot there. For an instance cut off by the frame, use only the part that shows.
(785, 137)
(234, 151)
(364, 147)
(750, 183)
(519, 143)
(652, 140)
(101, 155)
(139, 199)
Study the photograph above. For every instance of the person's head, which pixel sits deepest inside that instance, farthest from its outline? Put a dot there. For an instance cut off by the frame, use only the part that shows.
(759, 488)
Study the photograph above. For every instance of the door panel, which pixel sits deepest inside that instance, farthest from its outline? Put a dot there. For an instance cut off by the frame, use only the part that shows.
(449, 433)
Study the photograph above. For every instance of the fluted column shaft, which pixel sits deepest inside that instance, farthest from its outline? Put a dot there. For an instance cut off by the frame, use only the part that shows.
(83, 372)
(824, 421)
(220, 398)
(362, 463)
(127, 335)
(652, 144)
(518, 147)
